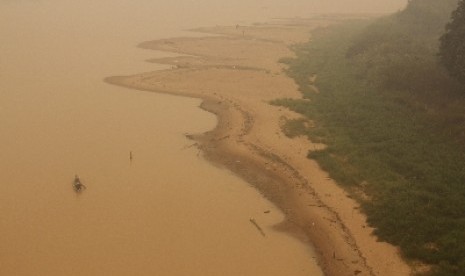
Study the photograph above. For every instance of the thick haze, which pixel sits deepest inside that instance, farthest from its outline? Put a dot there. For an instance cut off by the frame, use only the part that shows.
(58, 119)
(269, 7)
(302, 7)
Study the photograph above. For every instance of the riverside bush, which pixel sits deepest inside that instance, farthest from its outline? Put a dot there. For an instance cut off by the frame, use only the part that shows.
(394, 125)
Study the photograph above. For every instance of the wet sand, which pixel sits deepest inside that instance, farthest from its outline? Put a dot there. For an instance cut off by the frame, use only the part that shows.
(235, 71)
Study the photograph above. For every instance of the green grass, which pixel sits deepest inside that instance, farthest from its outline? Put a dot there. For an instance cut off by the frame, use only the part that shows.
(394, 129)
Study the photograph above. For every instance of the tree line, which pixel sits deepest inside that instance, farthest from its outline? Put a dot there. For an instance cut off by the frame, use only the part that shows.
(391, 109)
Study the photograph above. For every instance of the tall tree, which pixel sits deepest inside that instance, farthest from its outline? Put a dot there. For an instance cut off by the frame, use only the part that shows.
(452, 48)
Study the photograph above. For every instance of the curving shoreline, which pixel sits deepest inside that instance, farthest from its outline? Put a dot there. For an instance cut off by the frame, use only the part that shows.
(236, 74)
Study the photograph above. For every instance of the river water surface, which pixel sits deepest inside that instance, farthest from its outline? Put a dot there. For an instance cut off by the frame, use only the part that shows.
(168, 212)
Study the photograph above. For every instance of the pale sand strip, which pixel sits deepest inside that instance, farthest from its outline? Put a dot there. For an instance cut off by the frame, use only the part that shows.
(236, 75)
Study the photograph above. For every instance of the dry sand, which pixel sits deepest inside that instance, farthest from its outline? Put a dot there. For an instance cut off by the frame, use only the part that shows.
(236, 72)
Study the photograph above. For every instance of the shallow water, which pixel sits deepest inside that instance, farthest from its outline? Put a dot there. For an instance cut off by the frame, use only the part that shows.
(168, 212)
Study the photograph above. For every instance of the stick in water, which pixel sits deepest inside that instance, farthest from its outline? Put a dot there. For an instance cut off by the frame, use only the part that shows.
(252, 220)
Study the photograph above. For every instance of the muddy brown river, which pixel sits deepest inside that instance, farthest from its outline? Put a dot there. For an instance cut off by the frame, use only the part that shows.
(166, 212)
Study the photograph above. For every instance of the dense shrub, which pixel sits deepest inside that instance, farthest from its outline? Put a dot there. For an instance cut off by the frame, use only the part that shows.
(452, 50)
(394, 124)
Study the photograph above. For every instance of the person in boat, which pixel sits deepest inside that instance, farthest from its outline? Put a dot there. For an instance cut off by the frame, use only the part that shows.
(78, 186)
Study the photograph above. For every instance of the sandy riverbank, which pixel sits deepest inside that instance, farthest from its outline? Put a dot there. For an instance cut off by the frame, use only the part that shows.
(236, 72)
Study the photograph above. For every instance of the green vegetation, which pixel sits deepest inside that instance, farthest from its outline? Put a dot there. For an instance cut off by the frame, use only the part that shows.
(394, 123)
(452, 49)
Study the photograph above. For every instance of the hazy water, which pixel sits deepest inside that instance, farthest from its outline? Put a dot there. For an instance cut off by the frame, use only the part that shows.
(167, 213)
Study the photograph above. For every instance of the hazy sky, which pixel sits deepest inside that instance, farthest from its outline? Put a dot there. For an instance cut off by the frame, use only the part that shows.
(357, 5)
(317, 6)
(298, 5)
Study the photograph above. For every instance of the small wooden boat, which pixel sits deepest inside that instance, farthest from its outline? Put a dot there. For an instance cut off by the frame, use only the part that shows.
(77, 184)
